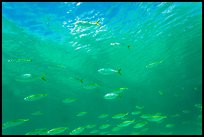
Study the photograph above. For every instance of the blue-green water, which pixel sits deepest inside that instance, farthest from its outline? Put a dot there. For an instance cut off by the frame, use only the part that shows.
(87, 51)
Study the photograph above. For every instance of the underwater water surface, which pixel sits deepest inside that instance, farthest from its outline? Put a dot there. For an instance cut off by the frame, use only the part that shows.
(91, 68)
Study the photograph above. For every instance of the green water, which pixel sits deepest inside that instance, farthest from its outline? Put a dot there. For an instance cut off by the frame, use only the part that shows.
(162, 69)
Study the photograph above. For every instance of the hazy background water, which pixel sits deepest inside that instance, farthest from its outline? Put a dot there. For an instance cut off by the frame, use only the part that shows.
(47, 34)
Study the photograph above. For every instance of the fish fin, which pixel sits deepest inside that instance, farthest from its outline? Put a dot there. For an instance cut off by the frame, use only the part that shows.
(119, 71)
(43, 77)
(82, 81)
(97, 23)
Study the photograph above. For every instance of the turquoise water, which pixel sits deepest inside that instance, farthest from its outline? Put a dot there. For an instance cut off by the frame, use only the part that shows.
(81, 60)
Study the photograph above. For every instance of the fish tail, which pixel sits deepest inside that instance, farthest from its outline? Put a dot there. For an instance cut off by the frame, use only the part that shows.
(43, 77)
(119, 71)
(97, 23)
(80, 80)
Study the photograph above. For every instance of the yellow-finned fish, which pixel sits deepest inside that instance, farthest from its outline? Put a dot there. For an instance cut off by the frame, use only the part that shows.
(87, 24)
(14, 123)
(35, 97)
(118, 116)
(58, 130)
(77, 131)
(109, 71)
(154, 64)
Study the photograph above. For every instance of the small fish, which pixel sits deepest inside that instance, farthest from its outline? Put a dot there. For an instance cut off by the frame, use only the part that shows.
(90, 126)
(80, 80)
(87, 24)
(42, 131)
(139, 107)
(29, 78)
(109, 71)
(77, 131)
(145, 116)
(186, 111)
(20, 60)
(58, 130)
(76, 79)
(199, 106)
(154, 64)
(156, 118)
(136, 112)
(14, 123)
(35, 97)
(169, 125)
(119, 90)
(111, 96)
(124, 118)
(139, 125)
(119, 116)
(26, 75)
(26, 78)
(24, 60)
(116, 129)
(126, 123)
(103, 116)
(81, 114)
(115, 43)
(94, 131)
(104, 126)
(69, 100)
(37, 113)
(91, 86)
